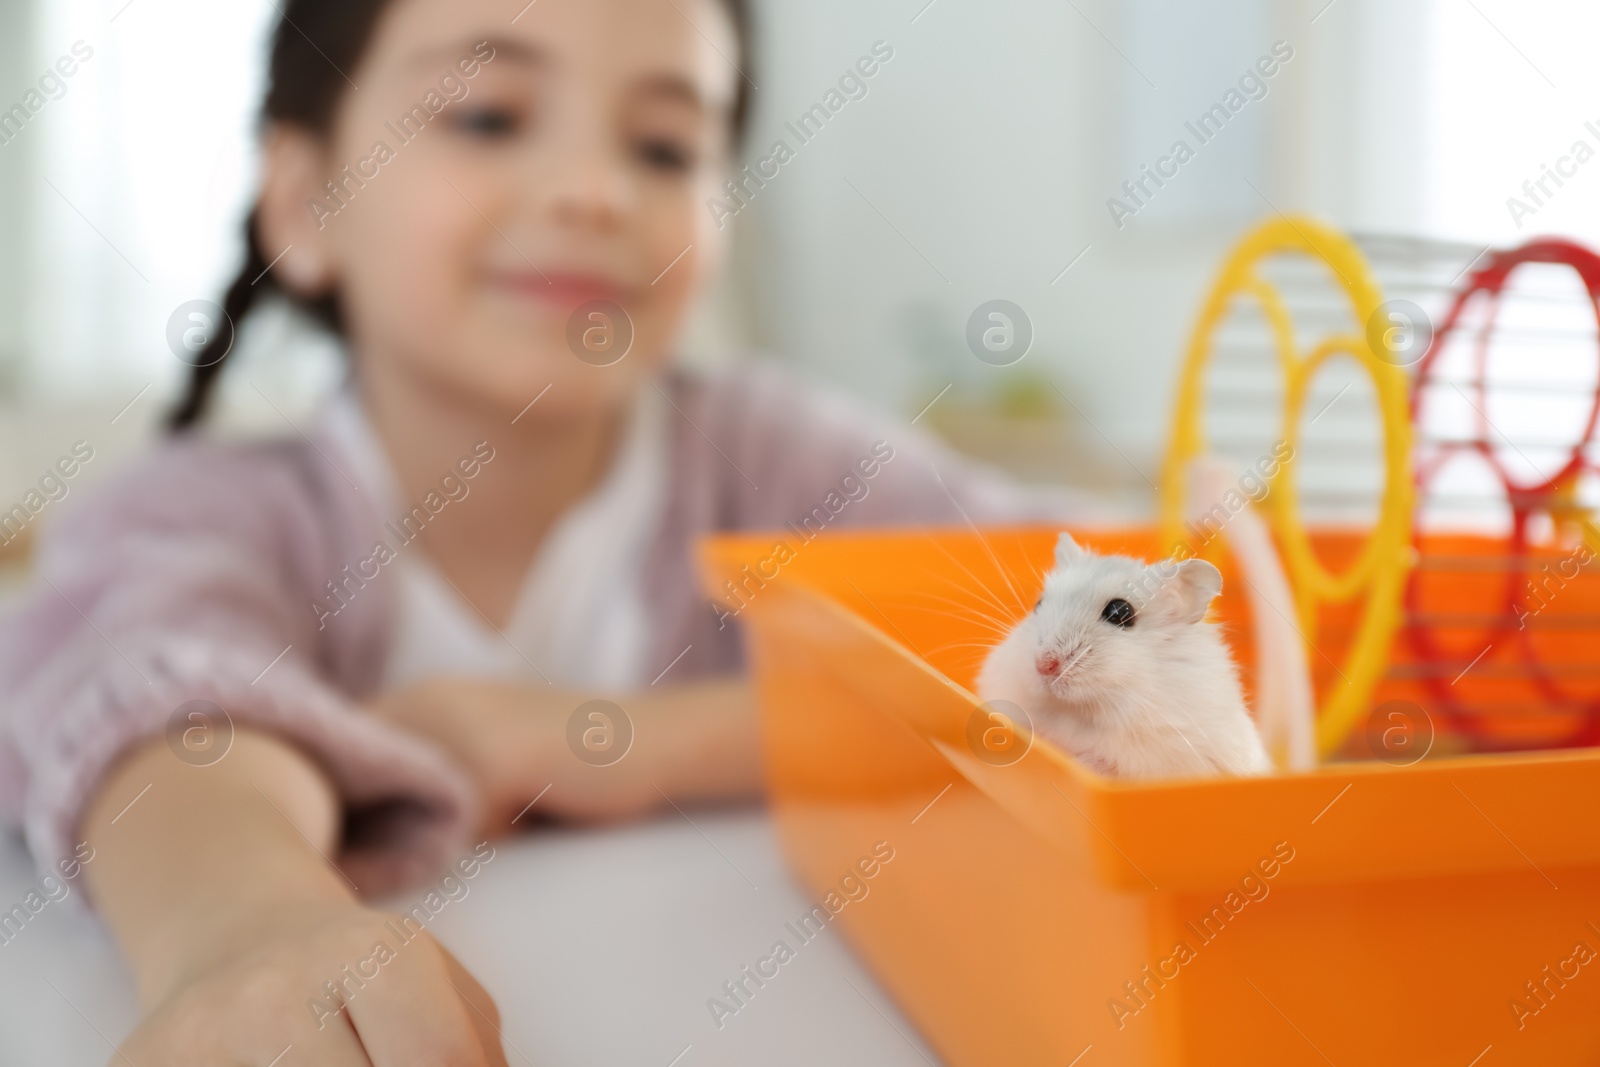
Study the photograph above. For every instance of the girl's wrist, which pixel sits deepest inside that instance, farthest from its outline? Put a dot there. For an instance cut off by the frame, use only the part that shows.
(703, 742)
(233, 930)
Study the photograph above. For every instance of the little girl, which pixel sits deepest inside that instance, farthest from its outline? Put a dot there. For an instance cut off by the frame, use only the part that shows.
(258, 684)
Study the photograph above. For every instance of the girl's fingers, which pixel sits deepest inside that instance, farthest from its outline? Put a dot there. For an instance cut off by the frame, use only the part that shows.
(173, 1044)
(411, 1016)
(481, 1008)
(335, 1045)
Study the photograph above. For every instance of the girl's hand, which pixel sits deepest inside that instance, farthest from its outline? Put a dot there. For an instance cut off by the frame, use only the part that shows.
(692, 742)
(233, 921)
(391, 1002)
(512, 742)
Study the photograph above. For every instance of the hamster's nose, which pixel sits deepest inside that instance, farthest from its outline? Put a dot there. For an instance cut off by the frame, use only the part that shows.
(1047, 664)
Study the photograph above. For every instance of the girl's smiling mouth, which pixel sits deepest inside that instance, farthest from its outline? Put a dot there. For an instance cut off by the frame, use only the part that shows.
(564, 289)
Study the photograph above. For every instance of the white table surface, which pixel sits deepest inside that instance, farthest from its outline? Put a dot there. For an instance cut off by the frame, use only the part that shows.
(601, 948)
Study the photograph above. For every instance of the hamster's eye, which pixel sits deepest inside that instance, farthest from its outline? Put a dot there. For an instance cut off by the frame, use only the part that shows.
(1118, 612)
(1037, 604)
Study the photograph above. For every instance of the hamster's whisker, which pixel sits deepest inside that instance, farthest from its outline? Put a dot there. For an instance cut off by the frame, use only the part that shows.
(966, 612)
(1005, 572)
(967, 606)
(1000, 633)
(980, 607)
(960, 644)
(982, 588)
(1186, 740)
(982, 540)
(981, 584)
(1084, 651)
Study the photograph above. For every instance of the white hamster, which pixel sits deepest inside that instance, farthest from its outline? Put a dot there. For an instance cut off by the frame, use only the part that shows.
(1117, 664)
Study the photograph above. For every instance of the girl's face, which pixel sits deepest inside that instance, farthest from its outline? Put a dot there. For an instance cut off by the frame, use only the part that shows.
(522, 194)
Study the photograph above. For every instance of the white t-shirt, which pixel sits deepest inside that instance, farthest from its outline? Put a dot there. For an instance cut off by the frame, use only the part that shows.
(579, 617)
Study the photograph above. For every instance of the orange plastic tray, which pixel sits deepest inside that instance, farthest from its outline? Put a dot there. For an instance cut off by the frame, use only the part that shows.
(1033, 912)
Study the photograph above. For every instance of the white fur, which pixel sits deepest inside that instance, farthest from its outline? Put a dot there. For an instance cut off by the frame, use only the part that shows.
(1160, 699)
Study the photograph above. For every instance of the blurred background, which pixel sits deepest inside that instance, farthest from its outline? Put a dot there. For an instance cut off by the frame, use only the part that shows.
(979, 166)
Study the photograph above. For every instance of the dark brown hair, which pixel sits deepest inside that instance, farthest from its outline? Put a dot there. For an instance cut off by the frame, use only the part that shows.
(315, 40)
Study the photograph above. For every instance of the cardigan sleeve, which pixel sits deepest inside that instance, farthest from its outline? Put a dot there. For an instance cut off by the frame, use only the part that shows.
(177, 601)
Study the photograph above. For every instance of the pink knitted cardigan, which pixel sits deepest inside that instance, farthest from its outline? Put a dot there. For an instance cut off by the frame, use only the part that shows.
(191, 577)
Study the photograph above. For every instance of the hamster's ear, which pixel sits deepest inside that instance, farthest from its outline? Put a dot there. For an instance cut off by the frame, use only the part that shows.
(1068, 551)
(1188, 592)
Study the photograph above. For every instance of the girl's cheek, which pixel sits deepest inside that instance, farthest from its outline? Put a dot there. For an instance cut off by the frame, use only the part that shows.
(676, 230)
(709, 235)
(406, 258)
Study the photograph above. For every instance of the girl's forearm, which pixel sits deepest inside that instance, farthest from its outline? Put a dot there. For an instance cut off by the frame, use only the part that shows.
(192, 862)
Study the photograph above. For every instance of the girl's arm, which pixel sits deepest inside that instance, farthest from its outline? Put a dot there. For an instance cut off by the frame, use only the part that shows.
(692, 742)
(216, 884)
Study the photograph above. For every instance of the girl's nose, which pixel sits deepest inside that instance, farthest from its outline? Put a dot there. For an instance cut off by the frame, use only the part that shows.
(587, 188)
(1047, 664)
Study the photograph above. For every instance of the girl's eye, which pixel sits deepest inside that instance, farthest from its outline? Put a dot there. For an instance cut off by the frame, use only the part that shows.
(664, 155)
(1118, 612)
(487, 122)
